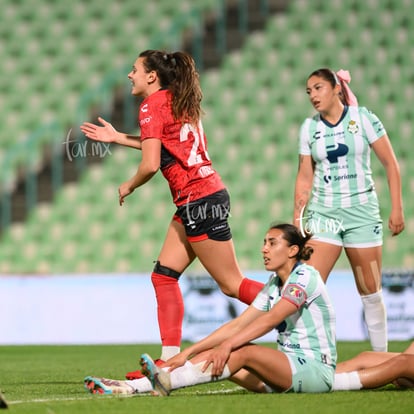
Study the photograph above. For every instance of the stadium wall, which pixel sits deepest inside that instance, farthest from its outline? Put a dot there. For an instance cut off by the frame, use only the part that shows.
(121, 308)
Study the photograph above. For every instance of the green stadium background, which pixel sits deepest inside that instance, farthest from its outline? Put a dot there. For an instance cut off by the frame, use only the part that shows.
(66, 62)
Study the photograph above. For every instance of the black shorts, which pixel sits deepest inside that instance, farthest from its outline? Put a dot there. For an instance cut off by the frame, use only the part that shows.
(206, 218)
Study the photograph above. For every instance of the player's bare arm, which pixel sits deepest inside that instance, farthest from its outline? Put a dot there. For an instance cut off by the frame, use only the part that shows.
(227, 330)
(149, 165)
(107, 133)
(385, 153)
(303, 186)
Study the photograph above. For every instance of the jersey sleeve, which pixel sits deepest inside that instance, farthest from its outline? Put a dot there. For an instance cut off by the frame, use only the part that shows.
(263, 299)
(150, 120)
(301, 287)
(304, 141)
(373, 127)
(295, 294)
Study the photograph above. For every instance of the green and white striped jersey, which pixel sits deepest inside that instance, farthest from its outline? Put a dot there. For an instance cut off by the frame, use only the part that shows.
(309, 332)
(341, 152)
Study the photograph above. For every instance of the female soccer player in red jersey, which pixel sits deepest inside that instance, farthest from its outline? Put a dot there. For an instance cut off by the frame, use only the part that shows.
(172, 139)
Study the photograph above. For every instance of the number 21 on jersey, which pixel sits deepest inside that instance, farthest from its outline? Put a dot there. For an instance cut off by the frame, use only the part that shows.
(195, 137)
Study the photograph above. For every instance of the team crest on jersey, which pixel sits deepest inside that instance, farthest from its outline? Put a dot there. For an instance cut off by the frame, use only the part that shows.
(353, 127)
(295, 294)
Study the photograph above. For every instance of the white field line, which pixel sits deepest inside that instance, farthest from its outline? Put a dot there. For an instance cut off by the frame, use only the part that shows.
(89, 397)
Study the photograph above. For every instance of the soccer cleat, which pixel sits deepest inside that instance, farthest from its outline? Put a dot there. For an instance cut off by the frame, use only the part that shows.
(106, 386)
(160, 379)
(138, 374)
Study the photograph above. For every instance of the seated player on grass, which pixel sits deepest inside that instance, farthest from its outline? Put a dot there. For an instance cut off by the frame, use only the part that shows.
(365, 371)
(296, 297)
(202, 361)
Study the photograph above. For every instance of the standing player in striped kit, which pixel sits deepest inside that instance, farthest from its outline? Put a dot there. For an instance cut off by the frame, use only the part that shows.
(295, 299)
(335, 196)
(172, 139)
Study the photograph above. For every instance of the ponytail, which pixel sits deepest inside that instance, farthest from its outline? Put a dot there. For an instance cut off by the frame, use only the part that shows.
(177, 73)
(295, 238)
(345, 78)
(341, 78)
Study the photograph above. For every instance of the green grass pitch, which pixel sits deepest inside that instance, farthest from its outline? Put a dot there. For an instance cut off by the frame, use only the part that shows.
(48, 380)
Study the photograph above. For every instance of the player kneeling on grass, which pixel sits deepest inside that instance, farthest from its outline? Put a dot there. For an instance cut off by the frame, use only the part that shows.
(295, 299)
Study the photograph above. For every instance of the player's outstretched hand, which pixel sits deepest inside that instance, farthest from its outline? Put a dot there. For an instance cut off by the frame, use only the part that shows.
(104, 133)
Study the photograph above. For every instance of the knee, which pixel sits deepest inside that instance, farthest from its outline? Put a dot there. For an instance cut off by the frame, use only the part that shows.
(231, 290)
(245, 354)
(405, 359)
(228, 285)
(164, 274)
(368, 278)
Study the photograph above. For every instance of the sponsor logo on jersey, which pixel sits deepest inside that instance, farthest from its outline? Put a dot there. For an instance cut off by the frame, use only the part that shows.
(317, 135)
(146, 120)
(288, 345)
(334, 151)
(345, 177)
(379, 127)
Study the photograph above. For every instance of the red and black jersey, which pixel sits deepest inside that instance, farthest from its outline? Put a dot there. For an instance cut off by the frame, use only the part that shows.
(184, 158)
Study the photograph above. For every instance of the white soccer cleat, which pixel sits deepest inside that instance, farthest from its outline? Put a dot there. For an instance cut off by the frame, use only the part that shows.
(160, 379)
(96, 385)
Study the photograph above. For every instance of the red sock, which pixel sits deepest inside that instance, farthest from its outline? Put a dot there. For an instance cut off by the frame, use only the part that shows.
(249, 289)
(170, 308)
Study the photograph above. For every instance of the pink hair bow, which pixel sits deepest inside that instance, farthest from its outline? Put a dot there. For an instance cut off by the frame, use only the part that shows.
(345, 76)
